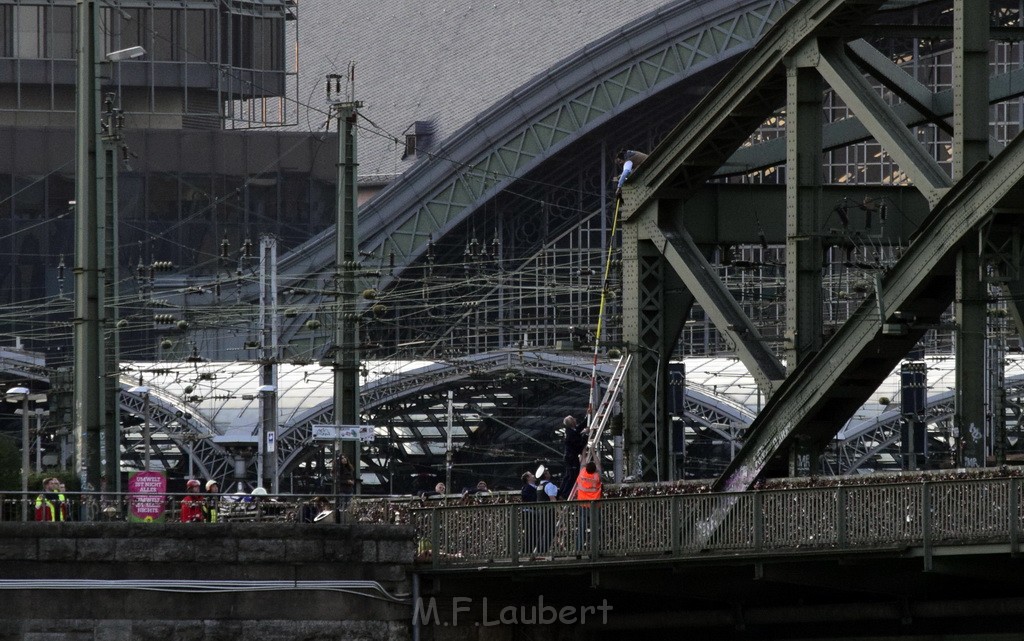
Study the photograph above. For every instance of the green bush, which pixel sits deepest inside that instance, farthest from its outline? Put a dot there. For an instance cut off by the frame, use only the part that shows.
(10, 465)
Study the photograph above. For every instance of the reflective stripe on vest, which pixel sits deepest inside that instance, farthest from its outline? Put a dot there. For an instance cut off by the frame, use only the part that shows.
(588, 486)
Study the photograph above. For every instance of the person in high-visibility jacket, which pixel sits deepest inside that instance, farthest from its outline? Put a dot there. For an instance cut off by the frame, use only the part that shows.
(588, 484)
(212, 500)
(51, 504)
(588, 489)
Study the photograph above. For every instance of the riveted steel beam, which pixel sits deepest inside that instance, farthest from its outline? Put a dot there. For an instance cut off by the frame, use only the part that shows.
(898, 141)
(826, 390)
(1001, 87)
(746, 96)
(700, 279)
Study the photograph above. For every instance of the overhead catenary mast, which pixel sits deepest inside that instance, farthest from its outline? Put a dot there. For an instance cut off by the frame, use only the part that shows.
(345, 362)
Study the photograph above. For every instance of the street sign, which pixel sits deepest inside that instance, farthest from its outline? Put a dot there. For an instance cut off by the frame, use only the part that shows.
(363, 433)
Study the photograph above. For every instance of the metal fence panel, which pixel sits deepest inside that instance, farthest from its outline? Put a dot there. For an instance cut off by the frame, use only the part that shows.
(884, 514)
(970, 511)
(800, 519)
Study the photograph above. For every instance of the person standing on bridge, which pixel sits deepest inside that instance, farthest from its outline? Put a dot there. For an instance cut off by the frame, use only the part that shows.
(627, 160)
(588, 490)
(547, 491)
(51, 504)
(212, 500)
(193, 506)
(546, 488)
(575, 442)
(344, 479)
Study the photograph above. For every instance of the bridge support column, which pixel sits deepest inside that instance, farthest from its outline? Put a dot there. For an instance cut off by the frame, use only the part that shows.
(970, 147)
(803, 202)
(652, 322)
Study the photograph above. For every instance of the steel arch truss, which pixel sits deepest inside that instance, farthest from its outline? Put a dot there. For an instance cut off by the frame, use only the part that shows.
(191, 435)
(544, 118)
(883, 435)
(431, 380)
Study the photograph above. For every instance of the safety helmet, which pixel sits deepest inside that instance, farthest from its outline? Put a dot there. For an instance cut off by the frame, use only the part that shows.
(192, 484)
(259, 491)
(210, 484)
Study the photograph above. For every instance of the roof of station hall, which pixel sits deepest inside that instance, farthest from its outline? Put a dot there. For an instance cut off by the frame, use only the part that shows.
(227, 393)
(442, 61)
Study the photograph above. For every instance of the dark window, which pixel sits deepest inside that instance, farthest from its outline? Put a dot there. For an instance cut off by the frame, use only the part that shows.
(6, 32)
(30, 197)
(197, 38)
(134, 29)
(256, 43)
(61, 40)
(162, 198)
(165, 35)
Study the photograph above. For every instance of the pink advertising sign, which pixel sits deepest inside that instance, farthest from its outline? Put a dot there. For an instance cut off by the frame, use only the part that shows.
(147, 496)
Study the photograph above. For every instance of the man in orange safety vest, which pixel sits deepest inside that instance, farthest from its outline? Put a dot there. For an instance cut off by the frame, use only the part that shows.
(588, 489)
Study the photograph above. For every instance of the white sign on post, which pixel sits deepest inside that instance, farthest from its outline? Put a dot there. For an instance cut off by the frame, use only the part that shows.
(271, 442)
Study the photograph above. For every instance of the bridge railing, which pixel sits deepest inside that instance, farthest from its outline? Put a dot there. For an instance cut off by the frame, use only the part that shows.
(112, 506)
(854, 517)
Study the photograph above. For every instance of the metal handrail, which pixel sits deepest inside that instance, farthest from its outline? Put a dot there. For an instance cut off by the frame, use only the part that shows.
(839, 518)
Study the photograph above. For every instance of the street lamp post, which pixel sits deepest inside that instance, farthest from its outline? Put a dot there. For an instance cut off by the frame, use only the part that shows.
(143, 391)
(14, 395)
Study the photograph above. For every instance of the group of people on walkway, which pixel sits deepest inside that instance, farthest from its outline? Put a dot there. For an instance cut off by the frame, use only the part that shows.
(540, 523)
(52, 504)
(197, 507)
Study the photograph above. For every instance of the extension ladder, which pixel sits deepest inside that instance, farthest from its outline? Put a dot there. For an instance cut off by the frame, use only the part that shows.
(599, 421)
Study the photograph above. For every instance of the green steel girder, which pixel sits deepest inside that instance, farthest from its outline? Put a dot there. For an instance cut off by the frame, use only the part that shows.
(827, 389)
(896, 80)
(702, 282)
(647, 337)
(851, 130)
(733, 214)
(970, 142)
(725, 118)
(677, 169)
(900, 143)
(804, 249)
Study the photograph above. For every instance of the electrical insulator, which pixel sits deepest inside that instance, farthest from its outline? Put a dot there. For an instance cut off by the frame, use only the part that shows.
(247, 248)
(224, 247)
(163, 265)
(164, 319)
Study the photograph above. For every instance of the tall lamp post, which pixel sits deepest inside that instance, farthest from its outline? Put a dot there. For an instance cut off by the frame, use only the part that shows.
(14, 395)
(143, 391)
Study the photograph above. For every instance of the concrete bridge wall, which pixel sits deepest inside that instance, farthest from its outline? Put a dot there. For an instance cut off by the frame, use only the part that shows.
(111, 581)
